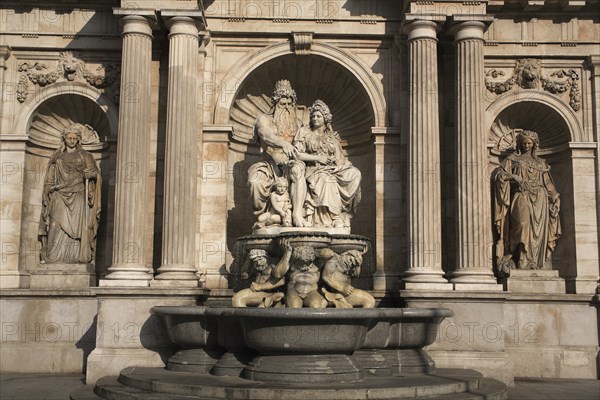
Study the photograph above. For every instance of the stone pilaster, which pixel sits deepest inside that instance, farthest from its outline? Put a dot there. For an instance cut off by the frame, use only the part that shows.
(129, 267)
(388, 200)
(594, 64)
(473, 230)
(424, 197)
(181, 157)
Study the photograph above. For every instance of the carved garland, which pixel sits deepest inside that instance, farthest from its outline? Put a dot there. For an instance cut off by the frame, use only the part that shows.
(528, 74)
(69, 68)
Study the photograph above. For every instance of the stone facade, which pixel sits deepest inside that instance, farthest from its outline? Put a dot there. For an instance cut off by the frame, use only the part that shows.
(427, 96)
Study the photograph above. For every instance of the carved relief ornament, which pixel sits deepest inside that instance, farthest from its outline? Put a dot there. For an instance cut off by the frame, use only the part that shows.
(529, 74)
(69, 68)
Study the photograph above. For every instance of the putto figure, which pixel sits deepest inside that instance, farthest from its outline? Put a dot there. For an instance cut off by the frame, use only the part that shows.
(526, 208)
(70, 203)
(279, 210)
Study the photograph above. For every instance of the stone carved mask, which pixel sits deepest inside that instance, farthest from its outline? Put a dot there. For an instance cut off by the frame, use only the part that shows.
(528, 73)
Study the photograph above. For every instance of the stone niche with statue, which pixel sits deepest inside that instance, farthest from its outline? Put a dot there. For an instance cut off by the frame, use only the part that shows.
(304, 194)
(65, 148)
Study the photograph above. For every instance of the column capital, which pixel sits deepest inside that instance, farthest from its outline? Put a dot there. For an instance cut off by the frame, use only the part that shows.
(421, 29)
(183, 22)
(137, 21)
(465, 27)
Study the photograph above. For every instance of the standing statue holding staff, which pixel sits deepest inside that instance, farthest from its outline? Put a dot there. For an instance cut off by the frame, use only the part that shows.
(526, 207)
(70, 203)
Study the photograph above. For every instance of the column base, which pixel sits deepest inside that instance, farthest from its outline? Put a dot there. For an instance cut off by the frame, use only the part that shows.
(127, 273)
(475, 279)
(424, 279)
(177, 272)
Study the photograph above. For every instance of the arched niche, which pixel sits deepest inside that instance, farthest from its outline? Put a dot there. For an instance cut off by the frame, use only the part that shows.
(54, 111)
(556, 131)
(553, 130)
(312, 77)
(30, 107)
(229, 86)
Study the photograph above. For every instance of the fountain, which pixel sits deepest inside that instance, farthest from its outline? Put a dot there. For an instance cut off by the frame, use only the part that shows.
(299, 327)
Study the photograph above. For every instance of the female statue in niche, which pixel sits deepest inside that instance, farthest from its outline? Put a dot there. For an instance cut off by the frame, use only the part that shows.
(70, 203)
(526, 207)
(332, 190)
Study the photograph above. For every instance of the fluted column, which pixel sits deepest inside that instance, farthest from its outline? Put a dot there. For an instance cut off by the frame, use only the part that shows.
(129, 266)
(473, 223)
(424, 197)
(179, 212)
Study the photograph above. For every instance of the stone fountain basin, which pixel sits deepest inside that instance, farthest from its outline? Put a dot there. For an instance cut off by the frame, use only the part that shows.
(303, 330)
(405, 328)
(190, 327)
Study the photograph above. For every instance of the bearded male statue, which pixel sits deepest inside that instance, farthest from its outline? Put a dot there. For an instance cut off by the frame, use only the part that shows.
(276, 131)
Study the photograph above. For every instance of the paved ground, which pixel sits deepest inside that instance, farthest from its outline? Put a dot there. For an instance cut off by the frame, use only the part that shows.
(555, 389)
(58, 387)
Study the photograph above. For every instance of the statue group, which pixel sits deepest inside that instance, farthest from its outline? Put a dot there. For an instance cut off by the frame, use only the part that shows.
(70, 203)
(301, 279)
(306, 179)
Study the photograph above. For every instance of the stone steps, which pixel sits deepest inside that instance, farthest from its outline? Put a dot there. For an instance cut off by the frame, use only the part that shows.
(157, 383)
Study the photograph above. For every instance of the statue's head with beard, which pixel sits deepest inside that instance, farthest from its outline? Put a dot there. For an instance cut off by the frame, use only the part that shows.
(284, 109)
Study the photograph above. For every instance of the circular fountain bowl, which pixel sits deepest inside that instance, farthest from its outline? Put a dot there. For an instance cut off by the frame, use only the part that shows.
(194, 330)
(190, 326)
(303, 330)
(405, 327)
(394, 343)
(303, 345)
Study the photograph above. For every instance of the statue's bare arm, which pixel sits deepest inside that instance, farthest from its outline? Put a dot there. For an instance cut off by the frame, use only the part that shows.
(283, 265)
(331, 277)
(272, 283)
(267, 133)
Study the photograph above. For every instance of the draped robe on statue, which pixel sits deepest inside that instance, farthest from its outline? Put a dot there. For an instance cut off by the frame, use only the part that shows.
(333, 189)
(68, 235)
(523, 212)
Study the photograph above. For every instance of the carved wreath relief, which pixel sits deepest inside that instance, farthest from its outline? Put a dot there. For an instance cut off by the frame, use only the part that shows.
(529, 74)
(69, 68)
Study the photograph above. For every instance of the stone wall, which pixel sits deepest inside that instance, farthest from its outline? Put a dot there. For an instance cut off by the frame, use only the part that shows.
(357, 56)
